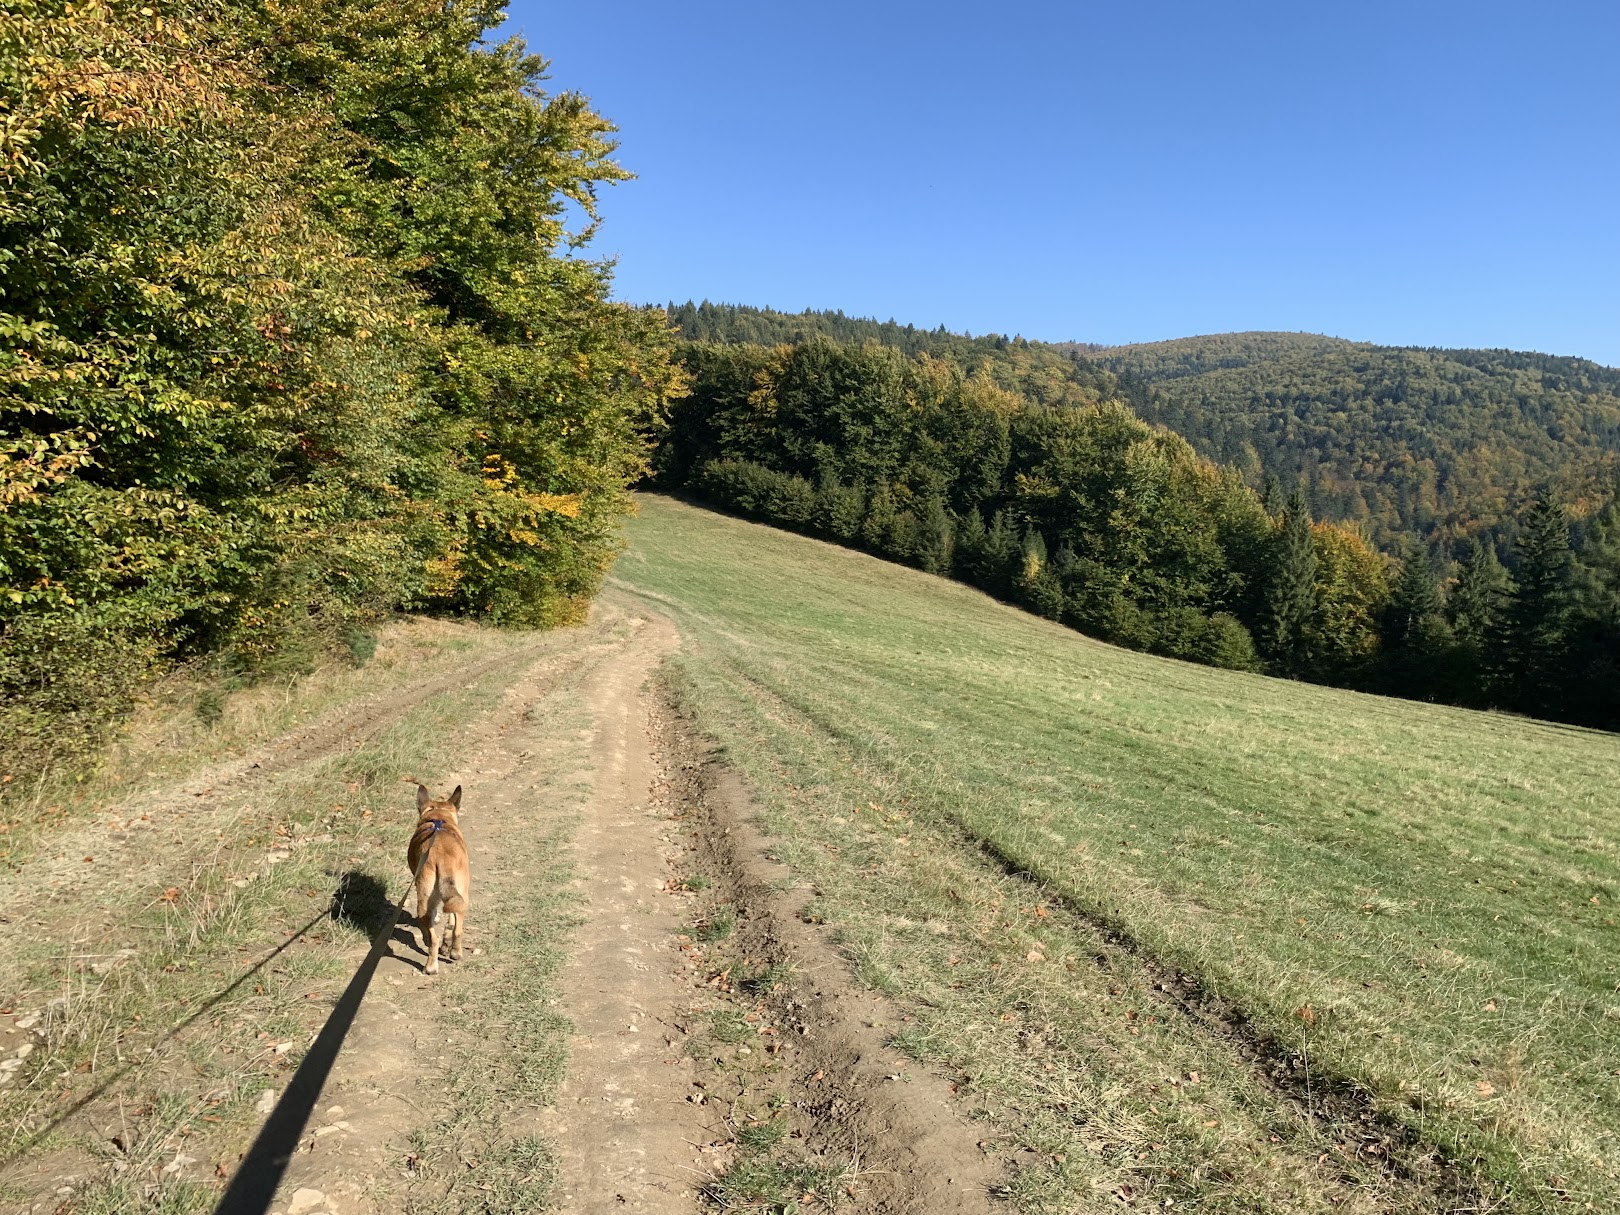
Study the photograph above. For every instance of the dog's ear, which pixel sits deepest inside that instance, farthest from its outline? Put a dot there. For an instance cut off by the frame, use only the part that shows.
(455, 798)
(423, 797)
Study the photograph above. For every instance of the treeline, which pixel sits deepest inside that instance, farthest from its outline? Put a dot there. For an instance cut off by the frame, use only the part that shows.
(1405, 442)
(731, 324)
(1088, 515)
(1082, 513)
(292, 334)
(1034, 370)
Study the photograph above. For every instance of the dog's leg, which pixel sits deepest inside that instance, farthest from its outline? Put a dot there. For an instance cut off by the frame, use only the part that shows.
(455, 933)
(424, 904)
(433, 933)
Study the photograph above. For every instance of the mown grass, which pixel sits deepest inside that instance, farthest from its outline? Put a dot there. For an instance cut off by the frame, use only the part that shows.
(1387, 929)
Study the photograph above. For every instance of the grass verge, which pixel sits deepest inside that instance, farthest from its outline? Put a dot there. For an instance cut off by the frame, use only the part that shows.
(1186, 936)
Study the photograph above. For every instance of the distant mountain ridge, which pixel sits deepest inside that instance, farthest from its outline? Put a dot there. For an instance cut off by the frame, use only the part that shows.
(1403, 440)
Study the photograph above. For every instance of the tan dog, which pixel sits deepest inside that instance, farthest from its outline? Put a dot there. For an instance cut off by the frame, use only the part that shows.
(445, 881)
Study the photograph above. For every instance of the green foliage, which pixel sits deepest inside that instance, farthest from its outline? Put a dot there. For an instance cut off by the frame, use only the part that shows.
(1419, 645)
(284, 346)
(1416, 598)
(1095, 518)
(1474, 603)
(1533, 634)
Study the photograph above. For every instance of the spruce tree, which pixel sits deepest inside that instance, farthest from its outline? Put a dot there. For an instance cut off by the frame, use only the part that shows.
(879, 521)
(969, 559)
(936, 538)
(1416, 599)
(1271, 496)
(1474, 604)
(1291, 590)
(1536, 624)
(1417, 639)
(1594, 642)
(1000, 555)
(1474, 609)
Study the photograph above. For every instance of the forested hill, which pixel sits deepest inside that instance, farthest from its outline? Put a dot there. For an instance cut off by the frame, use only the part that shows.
(1018, 467)
(1403, 441)
(1406, 440)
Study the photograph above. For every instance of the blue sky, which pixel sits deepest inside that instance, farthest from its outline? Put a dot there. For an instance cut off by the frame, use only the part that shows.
(1417, 173)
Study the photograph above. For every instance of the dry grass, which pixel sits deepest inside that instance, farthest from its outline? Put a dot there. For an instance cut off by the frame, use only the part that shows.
(172, 992)
(194, 718)
(1185, 936)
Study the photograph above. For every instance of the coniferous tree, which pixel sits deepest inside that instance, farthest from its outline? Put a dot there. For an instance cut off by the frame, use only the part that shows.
(1417, 637)
(1001, 551)
(1475, 602)
(1474, 610)
(1416, 598)
(1291, 594)
(1535, 628)
(968, 558)
(936, 539)
(839, 507)
(879, 521)
(1594, 644)
(1271, 495)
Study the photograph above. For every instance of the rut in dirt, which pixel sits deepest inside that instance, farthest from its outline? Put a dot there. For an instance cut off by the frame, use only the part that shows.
(820, 1038)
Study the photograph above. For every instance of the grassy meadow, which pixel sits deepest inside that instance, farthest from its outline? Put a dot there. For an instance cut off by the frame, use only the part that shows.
(1187, 938)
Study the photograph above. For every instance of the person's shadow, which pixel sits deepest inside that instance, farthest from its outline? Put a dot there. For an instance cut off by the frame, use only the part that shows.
(361, 900)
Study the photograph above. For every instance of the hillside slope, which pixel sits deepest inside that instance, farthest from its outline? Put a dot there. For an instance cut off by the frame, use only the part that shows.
(1406, 440)
(1180, 934)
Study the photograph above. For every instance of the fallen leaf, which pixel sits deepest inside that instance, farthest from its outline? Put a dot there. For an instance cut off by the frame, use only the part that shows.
(1485, 1087)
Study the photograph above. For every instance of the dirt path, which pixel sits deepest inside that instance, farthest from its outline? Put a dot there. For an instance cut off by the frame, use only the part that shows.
(853, 1097)
(627, 1135)
(571, 723)
(586, 800)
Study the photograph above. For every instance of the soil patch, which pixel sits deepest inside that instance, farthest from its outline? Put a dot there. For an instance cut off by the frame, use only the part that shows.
(889, 1132)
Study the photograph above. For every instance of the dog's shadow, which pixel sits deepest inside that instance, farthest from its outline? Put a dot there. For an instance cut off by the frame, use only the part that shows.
(362, 900)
